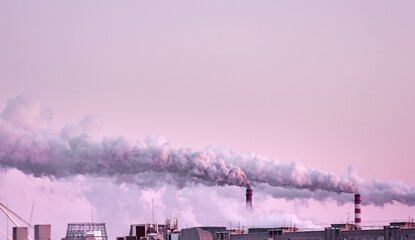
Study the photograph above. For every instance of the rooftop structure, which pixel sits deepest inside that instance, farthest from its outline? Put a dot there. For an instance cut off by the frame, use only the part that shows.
(213, 230)
(20, 233)
(147, 231)
(42, 232)
(142, 230)
(195, 234)
(266, 230)
(80, 231)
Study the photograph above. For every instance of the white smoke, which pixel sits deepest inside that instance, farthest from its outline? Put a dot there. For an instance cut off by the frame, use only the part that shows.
(288, 175)
(29, 144)
(72, 199)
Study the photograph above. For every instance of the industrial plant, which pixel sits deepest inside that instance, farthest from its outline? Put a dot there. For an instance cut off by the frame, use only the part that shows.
(169, 230)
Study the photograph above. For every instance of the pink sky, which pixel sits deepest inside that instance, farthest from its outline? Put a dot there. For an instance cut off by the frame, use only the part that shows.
(328, 84)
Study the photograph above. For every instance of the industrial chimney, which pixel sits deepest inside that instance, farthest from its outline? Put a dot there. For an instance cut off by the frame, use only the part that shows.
(249, 198)
(357, 212)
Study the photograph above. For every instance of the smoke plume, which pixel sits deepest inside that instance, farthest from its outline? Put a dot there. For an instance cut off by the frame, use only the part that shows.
(29, 144)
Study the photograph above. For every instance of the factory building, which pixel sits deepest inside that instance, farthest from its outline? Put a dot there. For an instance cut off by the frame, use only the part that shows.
(170, 231)
(258, 233)
(395, 231)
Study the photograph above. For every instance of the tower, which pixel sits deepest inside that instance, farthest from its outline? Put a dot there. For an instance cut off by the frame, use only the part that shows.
(357, 212)
(248, 198)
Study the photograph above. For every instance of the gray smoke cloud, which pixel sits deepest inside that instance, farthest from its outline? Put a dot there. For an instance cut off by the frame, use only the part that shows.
(373, 192)
(29, 144)
(283, 174)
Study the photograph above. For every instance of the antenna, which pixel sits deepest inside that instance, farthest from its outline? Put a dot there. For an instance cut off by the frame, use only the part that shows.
(152, 207)
(31, 214)
(92, 216)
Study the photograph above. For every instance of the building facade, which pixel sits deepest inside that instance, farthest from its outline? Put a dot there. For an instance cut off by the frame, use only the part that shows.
(395, 231)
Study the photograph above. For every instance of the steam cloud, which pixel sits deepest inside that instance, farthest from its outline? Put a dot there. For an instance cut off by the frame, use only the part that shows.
(29, 144)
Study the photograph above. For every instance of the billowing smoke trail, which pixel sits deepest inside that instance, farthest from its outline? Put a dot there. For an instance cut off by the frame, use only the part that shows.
(289, 175)
(28, 143)
(374, 192)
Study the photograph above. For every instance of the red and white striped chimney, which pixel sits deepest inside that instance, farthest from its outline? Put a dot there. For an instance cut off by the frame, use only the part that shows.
(357, 212)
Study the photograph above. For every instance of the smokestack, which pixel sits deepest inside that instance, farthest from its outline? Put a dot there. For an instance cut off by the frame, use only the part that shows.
(357, 212)
(249, 198)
